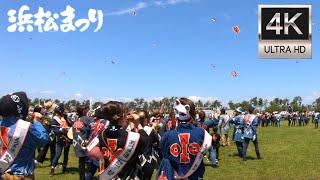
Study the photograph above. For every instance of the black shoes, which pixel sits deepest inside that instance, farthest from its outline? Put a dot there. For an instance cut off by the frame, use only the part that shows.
(52, 172)
(64, 170)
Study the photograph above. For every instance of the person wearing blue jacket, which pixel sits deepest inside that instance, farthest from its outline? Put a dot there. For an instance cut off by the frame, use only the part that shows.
(238, 130)
(250, 125)
(183, 148)
(316, 120)
(14, 110)
(81, 130)
(60, 128)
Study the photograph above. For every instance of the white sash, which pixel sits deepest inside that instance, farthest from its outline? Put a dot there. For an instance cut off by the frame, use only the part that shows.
(58, 120)
(15, 144)
(250, 117)
(94, 142)
(205, 146)
(116, 166)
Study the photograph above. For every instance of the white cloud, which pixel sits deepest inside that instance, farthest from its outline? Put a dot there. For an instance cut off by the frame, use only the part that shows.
(126, 99)
(46, 92)
(170, 2)
(203, 99)
(149, 99)
(143, 5)
(121, 99)
(78, 96)
(137, 7)
(311, 98)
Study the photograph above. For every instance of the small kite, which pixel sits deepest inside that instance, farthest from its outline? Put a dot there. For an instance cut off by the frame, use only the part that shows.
(134, 13)
(236, 29)
(213, 66)
(113, 62)
(213, 19)
(154, 44)
(234, 74)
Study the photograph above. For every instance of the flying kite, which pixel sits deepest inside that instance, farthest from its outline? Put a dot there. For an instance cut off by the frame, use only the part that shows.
(213, 19)
(213, 66)
(236, 29)
(113, 62)
(234, 74)
(134, 13)
(154, 44)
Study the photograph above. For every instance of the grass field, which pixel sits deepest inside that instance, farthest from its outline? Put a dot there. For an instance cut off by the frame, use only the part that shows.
(289, 153)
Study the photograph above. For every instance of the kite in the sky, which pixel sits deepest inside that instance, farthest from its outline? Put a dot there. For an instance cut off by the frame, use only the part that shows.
(154, 44)
(213, 19)
(134, 13)
(113, 62)
(213, 66)
(234, 74)
(236, 29)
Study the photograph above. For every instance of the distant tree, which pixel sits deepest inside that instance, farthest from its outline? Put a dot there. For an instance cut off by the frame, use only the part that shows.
(216, 104)
(96, 104)
(207, 104)
(199, 104)
(154, 105)
(260, 103)
(72, 103)
(232, 105)
(36, 101)
(57, 101)
(296, 103)
(131, 105)
(254, 102)
(246, 105)
(85, 103)
(145, 105)
(316, 104)
(139, 102)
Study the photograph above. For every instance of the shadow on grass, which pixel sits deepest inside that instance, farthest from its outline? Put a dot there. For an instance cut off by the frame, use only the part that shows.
(71, 170)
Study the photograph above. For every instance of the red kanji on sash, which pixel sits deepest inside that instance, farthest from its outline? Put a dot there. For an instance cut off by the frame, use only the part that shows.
(78, 125)
(112, 152)
(4, 139)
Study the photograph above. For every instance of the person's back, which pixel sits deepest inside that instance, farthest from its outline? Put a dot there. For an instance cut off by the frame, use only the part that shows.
(183, 149)
(186, 138)
(37, 136)
(21, 137)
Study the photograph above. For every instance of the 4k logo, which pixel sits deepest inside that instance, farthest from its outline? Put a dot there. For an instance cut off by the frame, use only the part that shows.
(285, 31)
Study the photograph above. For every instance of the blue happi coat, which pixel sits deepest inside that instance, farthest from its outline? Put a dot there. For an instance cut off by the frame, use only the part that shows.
(250, 128)
(316, 117)
(238, 128)
(175, 159)
(37, 136)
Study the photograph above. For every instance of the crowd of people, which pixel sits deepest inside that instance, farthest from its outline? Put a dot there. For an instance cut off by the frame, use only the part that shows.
(293, 118)
(114, 142)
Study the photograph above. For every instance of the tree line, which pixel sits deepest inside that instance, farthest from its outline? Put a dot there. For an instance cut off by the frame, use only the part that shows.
(277, 104)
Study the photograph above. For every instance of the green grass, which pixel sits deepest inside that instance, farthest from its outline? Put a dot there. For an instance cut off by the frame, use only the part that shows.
(289, 153)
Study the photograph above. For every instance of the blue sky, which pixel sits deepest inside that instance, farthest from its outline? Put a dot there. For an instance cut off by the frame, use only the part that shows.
(166, 50)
